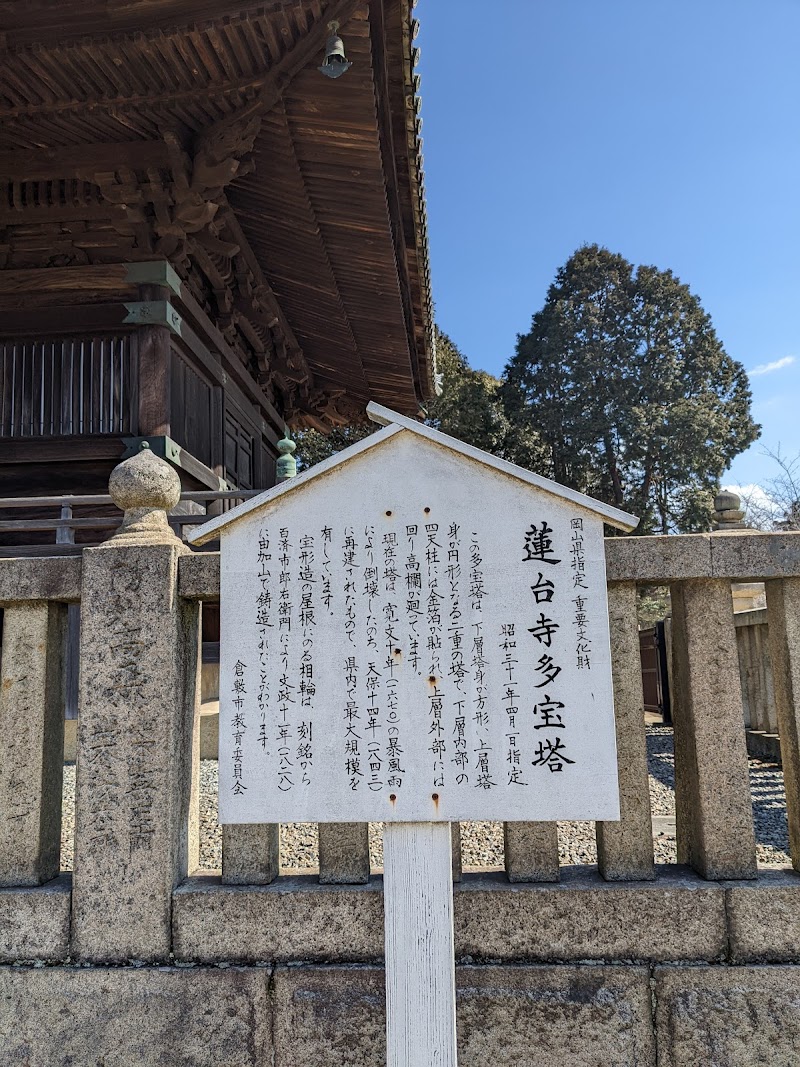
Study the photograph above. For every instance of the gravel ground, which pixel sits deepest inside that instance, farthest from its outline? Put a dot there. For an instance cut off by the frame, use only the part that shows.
(482, 842)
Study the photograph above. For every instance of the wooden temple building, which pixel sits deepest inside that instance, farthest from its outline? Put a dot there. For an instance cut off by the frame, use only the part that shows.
(202, 238)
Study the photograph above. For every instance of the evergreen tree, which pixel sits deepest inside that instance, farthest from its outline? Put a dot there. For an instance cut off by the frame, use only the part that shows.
(469, 406)
(629, 390)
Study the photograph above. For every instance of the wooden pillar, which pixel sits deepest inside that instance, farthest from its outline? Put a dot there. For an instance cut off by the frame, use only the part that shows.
(420, 964)
(155, 372)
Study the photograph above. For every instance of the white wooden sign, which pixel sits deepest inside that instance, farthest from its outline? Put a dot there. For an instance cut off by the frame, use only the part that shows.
(415, 632)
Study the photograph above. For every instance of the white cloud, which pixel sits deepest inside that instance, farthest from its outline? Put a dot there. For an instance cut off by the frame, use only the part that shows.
(761, 510)
(768, 368)
(751, 493)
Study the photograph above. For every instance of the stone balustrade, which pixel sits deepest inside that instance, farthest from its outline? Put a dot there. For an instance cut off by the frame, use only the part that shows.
(553, 962)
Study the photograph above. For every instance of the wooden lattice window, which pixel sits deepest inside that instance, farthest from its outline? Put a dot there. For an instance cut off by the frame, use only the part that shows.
(68, 386)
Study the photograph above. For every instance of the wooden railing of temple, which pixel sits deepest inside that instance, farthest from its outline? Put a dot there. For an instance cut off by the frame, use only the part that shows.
(132, 897)
(98, 518)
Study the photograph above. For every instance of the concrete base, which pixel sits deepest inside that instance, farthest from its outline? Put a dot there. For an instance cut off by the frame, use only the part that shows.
(677, 917)
(333, 1016)
(728, 1016)
(135, 1017)
(507, 1017)
(763, 746)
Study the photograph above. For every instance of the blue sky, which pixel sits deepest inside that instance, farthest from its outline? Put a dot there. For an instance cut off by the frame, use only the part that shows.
(667, 131)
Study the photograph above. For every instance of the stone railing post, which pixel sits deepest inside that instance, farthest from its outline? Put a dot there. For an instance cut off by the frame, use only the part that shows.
(625, 848)
(138, 671)
(344, 853)
(783, 607)
(531, 851)
(31, 742)
(713, 806)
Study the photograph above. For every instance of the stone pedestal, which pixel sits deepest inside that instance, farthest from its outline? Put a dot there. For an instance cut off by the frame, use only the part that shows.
(139, 650)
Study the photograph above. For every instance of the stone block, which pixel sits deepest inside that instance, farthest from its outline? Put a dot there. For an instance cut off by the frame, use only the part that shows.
(209, 735)
(250, 854)
(679, 917)
(507, 1017)
(329, 1017)
(292, 919)
(198, 576)
(764, 918)
(658, 560)
(70, 740)
(728, 1016)
(584, 917)
(34, 923)
(53, 578)
(134, 1017)
(763, 746)
(540, 1016)
(755, 556)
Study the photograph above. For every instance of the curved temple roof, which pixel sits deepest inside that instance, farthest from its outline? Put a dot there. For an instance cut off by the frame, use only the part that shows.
(202, 132)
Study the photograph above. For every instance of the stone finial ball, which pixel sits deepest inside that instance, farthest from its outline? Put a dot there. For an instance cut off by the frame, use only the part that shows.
(726, 501)
(144, 481)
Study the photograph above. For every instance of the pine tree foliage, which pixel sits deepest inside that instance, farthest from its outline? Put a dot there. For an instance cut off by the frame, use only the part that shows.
(630, 391)
(470, 405)
(313, 446)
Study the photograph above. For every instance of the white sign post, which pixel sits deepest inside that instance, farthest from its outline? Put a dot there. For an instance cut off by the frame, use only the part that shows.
(415, 633)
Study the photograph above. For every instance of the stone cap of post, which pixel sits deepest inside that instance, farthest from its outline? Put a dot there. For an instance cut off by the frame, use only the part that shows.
(728, 513)
(145, 488)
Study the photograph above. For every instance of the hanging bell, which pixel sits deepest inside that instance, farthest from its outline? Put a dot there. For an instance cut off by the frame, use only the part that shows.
(335, 64)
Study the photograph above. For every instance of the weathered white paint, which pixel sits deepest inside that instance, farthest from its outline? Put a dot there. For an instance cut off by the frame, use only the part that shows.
(420, 971)
(410, 480)
(622, 520)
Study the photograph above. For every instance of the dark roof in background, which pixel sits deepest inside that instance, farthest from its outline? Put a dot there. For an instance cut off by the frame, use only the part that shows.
(334, 210)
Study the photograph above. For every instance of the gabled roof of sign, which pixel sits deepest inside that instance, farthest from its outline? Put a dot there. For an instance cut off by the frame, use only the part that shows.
(394, 424)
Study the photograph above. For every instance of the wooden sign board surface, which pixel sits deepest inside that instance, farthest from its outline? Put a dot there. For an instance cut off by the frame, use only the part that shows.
(414, 636)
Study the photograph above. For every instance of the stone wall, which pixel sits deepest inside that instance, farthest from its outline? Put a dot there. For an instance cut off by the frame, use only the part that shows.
(678, 971)
(133, 960)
